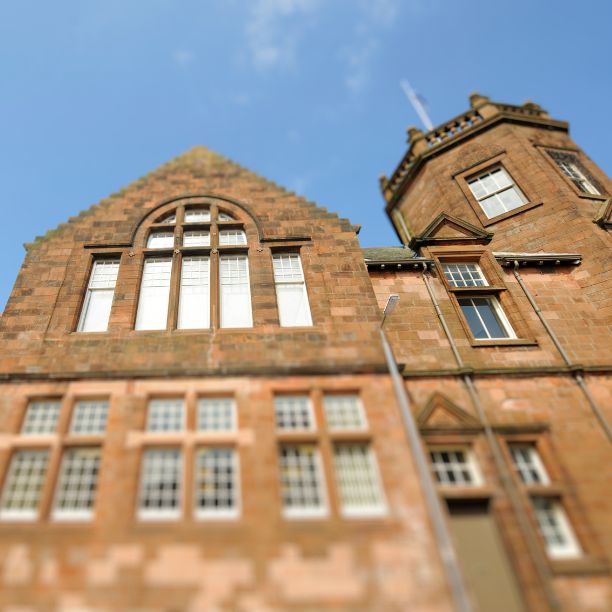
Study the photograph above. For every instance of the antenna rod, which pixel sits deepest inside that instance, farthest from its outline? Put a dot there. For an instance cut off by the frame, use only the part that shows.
(416, 104)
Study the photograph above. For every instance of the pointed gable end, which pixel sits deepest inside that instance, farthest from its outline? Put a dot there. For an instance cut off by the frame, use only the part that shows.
(442, 413)
(446, 229)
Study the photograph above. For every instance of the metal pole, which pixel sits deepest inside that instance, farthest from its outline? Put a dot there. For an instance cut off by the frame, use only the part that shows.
(449, 559)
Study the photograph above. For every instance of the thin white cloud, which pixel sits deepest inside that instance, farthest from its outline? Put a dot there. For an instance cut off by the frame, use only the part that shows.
(182, 57)
(271, 40)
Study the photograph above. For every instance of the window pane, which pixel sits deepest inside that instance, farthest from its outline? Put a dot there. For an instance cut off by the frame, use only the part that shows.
(216, 414)
(223, 216)
(232, 237)
(472, 318)
(357, 478)
(344, 412)
(512, 198)
(23, 485)
(194, 305)
(464, 275)
(493, 206)
(160, 240)
(235, 294)
(216, 486)
(489, 318)
(89, 417)
(197, 215)
(291, 295)
(555, 528)
(301, 480)
(501, 178)
(77, 485)
(166, 415)
(293, 307)
(154, 294)
(160, 484)
(99, 297)
(452, 467)
(293, 412)
(528, 465)
(41, 417)
(191, 239)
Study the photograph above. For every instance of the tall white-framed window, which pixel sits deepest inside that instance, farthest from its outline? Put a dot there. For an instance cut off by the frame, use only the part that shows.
(194, 301)
(561, 543)
(464, 274)
(358, 480)
(291, 294)
(344, 412)
(160, 495)
(77, 484)
(41, 417)
(89, 417)
(294, 413)
(454, 466)
(496, 192)
(98, 302)
(235, 291)
(216, 414)
(166, 415)
(302, 481)
(23, 485)
(486, 318)
(154, 294)
(217, 486)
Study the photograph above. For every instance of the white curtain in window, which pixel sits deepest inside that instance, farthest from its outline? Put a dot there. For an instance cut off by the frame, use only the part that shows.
(99, 298)
(235, 294)
(291, 295)
(194, 305)
(154, 294)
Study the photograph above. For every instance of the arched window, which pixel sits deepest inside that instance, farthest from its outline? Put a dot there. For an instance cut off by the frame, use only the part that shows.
(195, 273)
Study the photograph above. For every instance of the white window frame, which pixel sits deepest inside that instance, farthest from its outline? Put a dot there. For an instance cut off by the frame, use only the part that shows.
(202, 401)
(296, 281)
(361, 511)
(74, 514)
(225, 513)
(328, 398)
(189, 238)
(499, 311)
(232, 237)
(110, 284)
(23, 514)
(475, 276)
(185, 315)
(495, 193)
(165, 239)
(164, 514)
(471, 465)
(163, 294)
(197, 214)
(162, 402)
(307, 512)
(533, 462)
(56, 407)
(570, 548)
(86, 404)
(223, 299)
(309, 410)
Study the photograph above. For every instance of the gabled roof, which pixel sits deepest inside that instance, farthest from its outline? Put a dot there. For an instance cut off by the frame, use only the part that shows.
(446, 228)
(198, 163)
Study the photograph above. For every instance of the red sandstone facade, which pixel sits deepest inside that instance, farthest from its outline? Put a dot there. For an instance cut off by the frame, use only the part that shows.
(544, 388)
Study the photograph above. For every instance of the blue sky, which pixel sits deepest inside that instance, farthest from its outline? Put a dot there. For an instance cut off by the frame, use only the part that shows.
(95, 93)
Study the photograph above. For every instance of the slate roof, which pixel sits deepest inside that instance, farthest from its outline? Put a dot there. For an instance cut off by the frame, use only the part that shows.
(388, 254)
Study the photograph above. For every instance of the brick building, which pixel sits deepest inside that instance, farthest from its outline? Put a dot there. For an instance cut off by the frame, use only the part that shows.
(197, 412)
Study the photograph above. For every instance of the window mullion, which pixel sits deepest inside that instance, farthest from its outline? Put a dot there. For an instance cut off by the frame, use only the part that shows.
(175, 282)
(215, 319)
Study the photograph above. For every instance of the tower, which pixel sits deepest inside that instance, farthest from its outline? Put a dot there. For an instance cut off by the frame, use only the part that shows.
(503, 333)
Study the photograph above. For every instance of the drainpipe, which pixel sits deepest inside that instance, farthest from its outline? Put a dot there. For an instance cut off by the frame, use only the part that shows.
(445, 546)
(577, 374)
(507, 482)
